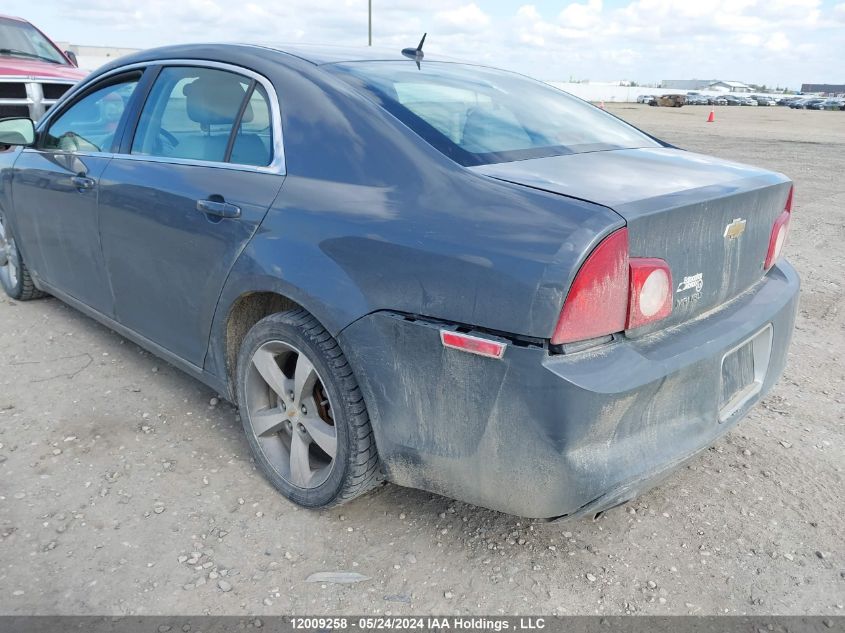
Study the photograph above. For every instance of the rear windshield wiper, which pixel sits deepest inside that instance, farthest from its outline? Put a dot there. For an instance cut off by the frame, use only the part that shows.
(13, 51)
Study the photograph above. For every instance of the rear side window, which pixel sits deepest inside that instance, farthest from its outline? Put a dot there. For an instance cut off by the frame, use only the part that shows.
(479, 115)
(254, 137)
(90, 124)
(205, 114)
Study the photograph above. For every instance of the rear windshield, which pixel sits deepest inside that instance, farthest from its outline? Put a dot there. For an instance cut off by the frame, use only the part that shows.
(478, 115)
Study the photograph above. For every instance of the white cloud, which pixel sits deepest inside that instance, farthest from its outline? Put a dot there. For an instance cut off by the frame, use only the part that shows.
(750, 40)
(468, 17)
(529, 11)
(778, 42)
(581, 16)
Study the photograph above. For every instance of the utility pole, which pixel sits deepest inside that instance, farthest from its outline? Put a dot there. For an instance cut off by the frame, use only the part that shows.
(370, 23)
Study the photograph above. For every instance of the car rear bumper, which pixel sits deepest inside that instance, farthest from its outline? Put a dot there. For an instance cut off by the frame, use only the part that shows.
(541, 435)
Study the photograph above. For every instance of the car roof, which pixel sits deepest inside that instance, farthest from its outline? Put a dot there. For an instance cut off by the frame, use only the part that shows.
(323, 54)
(309, 54)
(12, 17)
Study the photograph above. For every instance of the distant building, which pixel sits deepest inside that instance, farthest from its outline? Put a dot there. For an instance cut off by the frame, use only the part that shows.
(686, 84)
(705, 84)
(729, 86)
(92, 57)
(827, 90)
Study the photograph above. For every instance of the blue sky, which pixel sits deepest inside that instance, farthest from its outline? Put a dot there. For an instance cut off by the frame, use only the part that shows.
(773, 42)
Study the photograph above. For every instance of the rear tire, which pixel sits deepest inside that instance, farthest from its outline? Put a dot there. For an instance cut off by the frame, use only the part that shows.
(303, 413)
(14, 275)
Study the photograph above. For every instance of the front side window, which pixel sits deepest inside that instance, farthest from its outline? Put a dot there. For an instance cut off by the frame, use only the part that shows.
(205, 114)
(21, 39)
(479, 115)
(90, 124)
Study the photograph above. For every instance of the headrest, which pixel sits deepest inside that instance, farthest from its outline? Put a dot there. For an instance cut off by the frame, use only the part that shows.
(486, 131)
(216, 100)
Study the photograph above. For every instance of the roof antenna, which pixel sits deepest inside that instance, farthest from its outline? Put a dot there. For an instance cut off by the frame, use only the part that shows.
(415, 53)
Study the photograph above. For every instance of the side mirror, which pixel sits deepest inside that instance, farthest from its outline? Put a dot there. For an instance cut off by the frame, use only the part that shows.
(72, 57)
(17, 132)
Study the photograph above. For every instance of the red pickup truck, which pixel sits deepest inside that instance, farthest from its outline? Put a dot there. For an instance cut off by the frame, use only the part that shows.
(34, 72)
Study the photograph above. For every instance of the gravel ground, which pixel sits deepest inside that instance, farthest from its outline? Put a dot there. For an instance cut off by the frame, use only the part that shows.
(127, 488)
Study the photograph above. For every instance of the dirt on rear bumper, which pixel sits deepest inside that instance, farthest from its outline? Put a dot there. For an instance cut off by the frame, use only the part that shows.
(540, 435)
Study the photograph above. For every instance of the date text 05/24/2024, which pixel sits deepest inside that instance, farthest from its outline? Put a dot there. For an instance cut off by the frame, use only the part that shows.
(418, 623)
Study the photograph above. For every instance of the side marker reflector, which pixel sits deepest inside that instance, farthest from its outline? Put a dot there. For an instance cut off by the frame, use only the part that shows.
(472, 344)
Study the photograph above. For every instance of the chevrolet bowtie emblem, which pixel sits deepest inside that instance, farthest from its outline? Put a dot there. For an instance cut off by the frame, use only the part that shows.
(735, 229)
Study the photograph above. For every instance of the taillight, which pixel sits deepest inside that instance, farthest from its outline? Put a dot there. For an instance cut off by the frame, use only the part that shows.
(779, 232)
(650, 297)
(597, 303)
(613, 292)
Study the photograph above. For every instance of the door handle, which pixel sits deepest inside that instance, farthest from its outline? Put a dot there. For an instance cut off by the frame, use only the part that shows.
(82, 182)
(218, 208)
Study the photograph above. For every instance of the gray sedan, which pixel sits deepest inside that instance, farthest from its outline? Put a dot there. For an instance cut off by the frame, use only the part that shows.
(438, 274)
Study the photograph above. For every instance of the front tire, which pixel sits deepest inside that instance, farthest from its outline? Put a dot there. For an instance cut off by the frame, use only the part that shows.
(14, 275)
(303, 413)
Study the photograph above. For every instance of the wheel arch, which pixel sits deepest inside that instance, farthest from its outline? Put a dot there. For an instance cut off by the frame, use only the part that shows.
(247, 310)
(243, 303)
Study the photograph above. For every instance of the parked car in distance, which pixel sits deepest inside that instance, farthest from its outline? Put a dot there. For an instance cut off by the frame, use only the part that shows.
(717, 101)
(34, 72)
(645, 98)
(733, 100)
(810, 103)
(748, 101)
(697, 100)
(815, 104)
(764, 100)
(835, 103)
(669, 100)
(785, 101)
(449, 276)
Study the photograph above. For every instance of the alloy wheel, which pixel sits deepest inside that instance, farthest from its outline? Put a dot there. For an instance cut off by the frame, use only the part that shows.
(8, 257)
(290, 414)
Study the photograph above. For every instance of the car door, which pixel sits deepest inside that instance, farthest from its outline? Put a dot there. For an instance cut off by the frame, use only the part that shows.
(186, 192)
(55, 186)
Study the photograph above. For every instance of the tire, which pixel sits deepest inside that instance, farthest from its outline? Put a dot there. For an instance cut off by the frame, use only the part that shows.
(291, 354)
(14, 275)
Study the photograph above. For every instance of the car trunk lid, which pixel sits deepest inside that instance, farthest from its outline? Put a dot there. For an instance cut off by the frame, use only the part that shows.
(709, 219)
